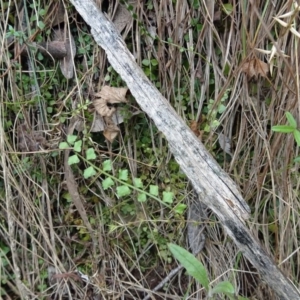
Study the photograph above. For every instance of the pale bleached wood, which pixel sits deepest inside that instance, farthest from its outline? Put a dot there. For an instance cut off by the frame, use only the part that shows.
(217, 189)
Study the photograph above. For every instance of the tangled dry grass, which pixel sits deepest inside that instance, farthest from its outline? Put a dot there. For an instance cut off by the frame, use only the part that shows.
(201, 50)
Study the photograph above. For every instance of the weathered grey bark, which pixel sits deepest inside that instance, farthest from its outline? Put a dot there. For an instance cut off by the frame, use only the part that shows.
(218, 190)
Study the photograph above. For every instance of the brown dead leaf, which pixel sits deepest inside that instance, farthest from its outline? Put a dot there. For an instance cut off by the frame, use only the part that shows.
(254, 68)
(66, 276)
(225, 143)
(30, 140)
(56, 13)
(111, 130)
(108, 97)
(217, 16)
(122, 17)
(99, 123)
(106, 107)
(195, 127)
(117, 118)
(53, 49)
(65, 281)
(113, 94)
(67, 63)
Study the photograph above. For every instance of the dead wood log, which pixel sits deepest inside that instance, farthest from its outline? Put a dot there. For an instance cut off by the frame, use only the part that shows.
(218, 190)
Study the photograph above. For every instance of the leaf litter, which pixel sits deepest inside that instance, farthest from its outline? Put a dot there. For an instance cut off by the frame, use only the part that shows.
(105, 105)
(254, 68)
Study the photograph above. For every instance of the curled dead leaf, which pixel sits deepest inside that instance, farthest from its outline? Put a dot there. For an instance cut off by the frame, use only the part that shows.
(30, 140)
(122, 17)
(113, 94)
(117, 118)
(56, 13)
(104, 108)
(99, 123)
(108, 97)
(225, 143)
(111, 131)
(105, 105)
(66, 276)
(194, 125)
(254, 68)
(63, 280)
(66, 63)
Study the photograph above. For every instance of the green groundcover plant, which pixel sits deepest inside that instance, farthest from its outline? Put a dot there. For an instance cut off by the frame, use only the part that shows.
(290, 128)
(196, 269)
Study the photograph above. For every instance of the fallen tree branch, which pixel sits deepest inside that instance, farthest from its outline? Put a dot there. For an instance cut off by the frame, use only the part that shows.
(218, 190)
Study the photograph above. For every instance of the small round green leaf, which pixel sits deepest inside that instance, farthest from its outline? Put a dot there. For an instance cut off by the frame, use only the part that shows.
(90, 154)
(67, 196)
(106, 165)
(221, 108)
(42, 12)
(41, 25)
(89, 172)
(63, 145)
(297, 159)
(73, 160)
(215, 124)
(142, 197)
(107, 183)
(228, 8)
(71, 138)
(123, 190)
(123, 175)
(180, 208)
(168, 197)
(77, 146)
(138, 183)
(146, 62)
(154, 62)
(153, 190)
